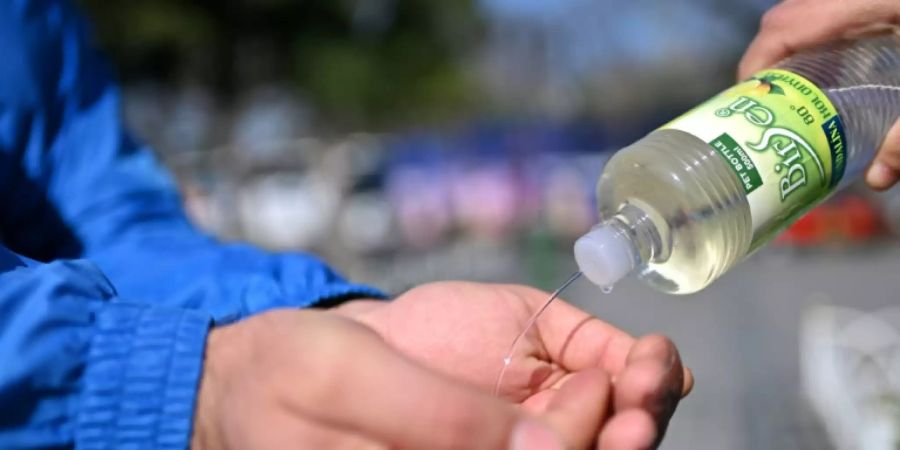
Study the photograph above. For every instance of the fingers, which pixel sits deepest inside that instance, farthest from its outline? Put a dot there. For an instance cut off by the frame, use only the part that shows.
(537, 404)
(357, 383)
(885, 170)
(579, 407)
(795, 25)
(653, 381)
(576, 340)
(633, 429)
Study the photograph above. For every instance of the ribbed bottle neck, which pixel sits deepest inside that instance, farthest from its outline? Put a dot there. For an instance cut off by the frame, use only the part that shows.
(634, 224)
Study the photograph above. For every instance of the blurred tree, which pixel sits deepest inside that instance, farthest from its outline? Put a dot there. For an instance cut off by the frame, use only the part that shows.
(361, 63)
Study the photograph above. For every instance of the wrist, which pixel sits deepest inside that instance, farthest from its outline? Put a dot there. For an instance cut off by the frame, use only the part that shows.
(220, 351)
(355, 309)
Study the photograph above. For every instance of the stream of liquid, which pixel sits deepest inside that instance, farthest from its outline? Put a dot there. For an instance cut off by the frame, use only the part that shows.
(528, 325)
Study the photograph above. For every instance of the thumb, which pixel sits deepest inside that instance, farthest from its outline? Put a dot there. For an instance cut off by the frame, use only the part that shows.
(885, 169)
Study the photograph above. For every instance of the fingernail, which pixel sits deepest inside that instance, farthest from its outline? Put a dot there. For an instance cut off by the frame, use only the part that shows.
(530, 434)
(689, 381)
(880, 175)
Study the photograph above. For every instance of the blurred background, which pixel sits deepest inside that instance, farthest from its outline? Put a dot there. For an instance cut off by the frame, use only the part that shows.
(414, 140)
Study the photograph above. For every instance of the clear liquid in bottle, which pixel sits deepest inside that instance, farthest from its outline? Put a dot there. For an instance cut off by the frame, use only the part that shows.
(687, 202)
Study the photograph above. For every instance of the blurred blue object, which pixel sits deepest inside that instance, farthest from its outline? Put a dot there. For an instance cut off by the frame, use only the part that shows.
(106, 290)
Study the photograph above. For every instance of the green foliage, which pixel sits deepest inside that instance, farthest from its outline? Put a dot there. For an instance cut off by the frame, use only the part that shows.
(360, 62)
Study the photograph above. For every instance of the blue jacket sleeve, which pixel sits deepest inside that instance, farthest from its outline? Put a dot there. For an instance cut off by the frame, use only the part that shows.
(82, 367)
(74, 183)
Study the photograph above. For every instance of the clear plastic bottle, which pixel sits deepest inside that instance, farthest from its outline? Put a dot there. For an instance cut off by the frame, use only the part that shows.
(687, 202)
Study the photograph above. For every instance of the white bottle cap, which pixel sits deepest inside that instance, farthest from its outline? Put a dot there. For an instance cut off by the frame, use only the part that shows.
(604, 255)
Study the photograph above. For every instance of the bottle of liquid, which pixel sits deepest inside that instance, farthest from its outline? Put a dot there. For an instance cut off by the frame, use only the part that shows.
(693, 198)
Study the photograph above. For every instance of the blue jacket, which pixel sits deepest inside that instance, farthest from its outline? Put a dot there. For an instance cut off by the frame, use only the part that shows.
(107, 292)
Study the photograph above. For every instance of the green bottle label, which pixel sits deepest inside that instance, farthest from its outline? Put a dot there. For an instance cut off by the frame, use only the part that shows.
(783, 139)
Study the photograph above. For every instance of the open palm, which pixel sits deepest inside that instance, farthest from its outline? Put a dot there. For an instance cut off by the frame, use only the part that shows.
(465, 329)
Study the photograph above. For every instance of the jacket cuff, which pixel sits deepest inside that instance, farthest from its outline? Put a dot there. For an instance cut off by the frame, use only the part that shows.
(141, 379)
(336, 294)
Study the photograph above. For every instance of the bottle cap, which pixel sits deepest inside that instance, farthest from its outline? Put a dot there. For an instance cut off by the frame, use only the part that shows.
(604, 255)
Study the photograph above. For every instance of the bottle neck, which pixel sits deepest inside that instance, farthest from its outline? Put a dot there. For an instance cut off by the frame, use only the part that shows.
(633, 223)
(621, 245)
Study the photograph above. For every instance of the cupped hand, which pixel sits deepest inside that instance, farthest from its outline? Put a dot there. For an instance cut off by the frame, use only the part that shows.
(795, 25)
(317, 380)
(464, 330)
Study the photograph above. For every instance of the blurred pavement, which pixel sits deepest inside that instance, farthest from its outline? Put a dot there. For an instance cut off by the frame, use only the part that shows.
(740, 337)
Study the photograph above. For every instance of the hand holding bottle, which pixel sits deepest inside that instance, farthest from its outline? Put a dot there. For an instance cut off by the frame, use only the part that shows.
(796, 25)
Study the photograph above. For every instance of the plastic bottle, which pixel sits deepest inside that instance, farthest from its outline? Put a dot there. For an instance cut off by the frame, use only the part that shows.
(688, 201)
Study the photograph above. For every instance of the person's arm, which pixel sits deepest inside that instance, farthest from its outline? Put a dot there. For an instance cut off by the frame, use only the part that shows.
(76, 184)
(82, 367)
(796, 25)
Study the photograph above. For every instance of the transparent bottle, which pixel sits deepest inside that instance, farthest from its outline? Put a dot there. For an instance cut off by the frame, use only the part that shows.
(687, 202)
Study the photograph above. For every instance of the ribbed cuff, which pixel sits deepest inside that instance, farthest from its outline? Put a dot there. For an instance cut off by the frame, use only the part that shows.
(141, 379)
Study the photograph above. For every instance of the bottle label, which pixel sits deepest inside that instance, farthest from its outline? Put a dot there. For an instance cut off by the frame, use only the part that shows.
(783, 139)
